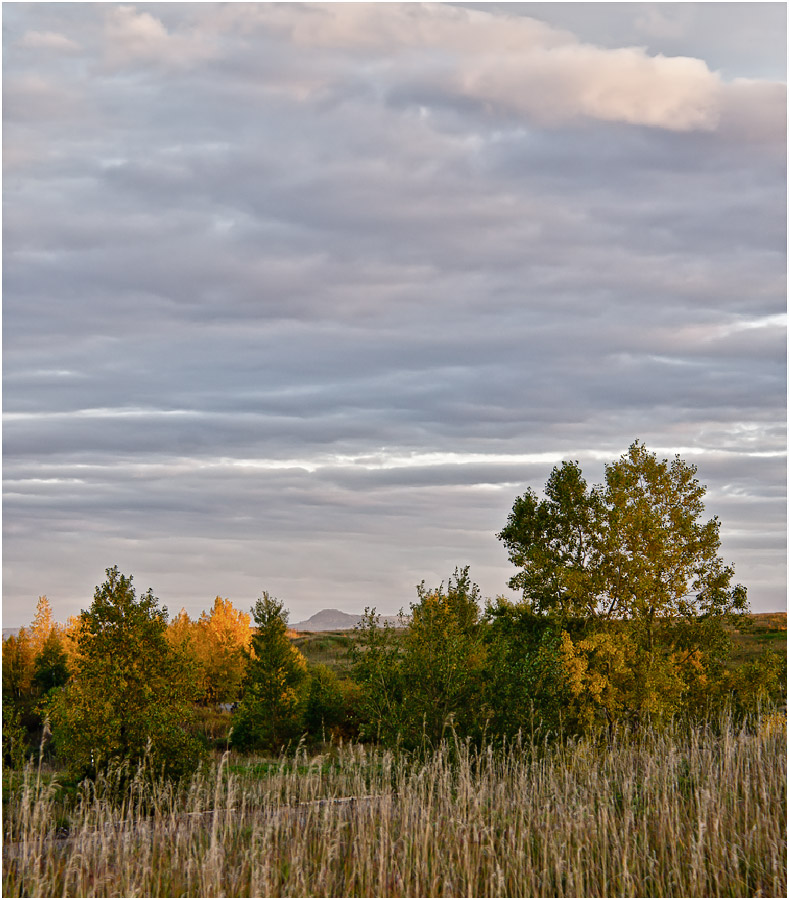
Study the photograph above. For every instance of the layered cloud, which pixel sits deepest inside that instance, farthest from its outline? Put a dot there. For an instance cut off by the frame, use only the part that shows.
(300, 297)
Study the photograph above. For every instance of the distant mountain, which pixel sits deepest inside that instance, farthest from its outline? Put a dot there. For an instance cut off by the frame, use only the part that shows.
(335, 620)
(9, 632)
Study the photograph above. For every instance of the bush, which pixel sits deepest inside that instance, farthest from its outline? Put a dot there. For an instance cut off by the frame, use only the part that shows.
(325, 710)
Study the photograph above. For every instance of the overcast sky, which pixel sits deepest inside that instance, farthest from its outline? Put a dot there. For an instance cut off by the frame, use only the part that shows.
(300, 297)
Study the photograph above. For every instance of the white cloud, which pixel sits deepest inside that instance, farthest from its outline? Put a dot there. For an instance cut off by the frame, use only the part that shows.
(48, 40)
(131, 36)
(626, 85)
(509, 64)
(518, 64)
(134, 34)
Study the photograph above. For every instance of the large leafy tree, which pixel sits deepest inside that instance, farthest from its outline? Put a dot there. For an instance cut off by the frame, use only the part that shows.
(182, 637)
(658, 559)
(275, 685)
(216, 646)
(131, 696)
(632, 558)
(635, 548)
(34, 662)
(21, 651)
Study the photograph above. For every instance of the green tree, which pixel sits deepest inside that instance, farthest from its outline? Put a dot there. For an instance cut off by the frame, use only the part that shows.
(376, 665)
(50, 667)
(659, 561)
(131, 696)
(417, 684)
(555, 544)
(15, 742)
(273, 694)
(635, 552)
(443, 658)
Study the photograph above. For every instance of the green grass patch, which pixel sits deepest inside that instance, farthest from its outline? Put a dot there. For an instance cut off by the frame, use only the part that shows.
(328, 648)
(759, 632)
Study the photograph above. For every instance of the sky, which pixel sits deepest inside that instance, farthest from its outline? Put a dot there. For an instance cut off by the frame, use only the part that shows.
(301, 297)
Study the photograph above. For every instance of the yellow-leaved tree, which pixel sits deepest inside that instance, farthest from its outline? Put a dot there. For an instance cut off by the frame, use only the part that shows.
(18, 658)
(223, 637)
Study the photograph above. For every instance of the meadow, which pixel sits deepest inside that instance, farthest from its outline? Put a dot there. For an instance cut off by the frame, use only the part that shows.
(683, 811)
(756, 634)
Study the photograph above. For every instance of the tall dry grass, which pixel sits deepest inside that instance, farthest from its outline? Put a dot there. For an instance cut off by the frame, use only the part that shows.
(689, 811)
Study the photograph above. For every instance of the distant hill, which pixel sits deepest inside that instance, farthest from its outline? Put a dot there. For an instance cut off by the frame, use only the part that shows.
(335, 620)
(10, 632)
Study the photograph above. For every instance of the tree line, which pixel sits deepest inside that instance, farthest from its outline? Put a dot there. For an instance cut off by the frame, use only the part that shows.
(625, 615)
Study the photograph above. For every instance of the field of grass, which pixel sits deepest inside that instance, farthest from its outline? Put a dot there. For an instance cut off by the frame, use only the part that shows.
(686, 812)
(763, 631)
(328, 648)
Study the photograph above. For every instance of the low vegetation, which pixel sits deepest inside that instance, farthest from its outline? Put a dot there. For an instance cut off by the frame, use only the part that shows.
(757, 634)
(684, 811)
(328, 648)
